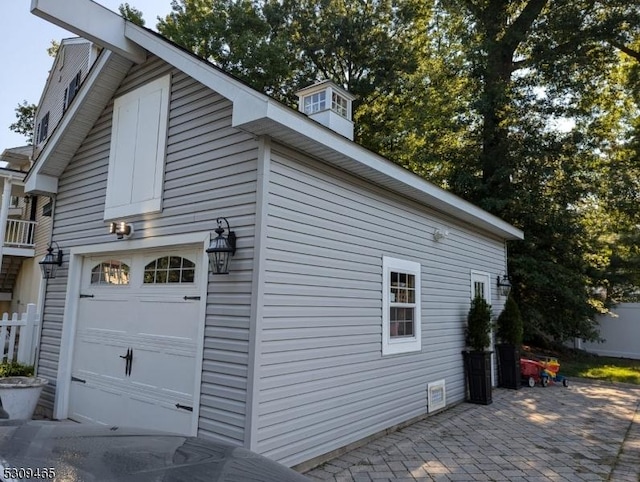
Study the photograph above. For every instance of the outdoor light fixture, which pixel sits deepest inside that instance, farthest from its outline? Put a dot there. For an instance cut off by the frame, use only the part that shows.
(221, 249)
(50, 263)
(121, 229)
(504, 285)
(440, 234)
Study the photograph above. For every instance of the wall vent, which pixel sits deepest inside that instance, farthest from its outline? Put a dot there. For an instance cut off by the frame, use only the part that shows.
(436, 396)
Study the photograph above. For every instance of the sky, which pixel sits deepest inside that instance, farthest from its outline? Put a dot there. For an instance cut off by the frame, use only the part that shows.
(24, 60)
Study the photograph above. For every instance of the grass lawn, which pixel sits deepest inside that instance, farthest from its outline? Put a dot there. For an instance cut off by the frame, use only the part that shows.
(576, 363)
(602, 368)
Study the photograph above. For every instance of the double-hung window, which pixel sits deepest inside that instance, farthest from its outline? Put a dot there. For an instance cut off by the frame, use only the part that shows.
(401, 306)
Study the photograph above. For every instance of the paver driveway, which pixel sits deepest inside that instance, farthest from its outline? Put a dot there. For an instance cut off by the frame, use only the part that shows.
(584, 432)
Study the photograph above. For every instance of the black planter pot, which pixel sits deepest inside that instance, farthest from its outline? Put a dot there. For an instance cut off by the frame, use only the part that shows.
(477, 366)
(508, 366)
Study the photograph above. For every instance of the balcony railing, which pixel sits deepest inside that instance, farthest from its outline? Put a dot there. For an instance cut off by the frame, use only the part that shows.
(20, 234)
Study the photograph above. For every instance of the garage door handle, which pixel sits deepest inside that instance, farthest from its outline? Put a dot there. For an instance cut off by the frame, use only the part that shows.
(184, 407)
(129, 358)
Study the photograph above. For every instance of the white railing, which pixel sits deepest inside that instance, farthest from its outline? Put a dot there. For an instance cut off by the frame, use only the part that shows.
(18, 336)
(20, 233)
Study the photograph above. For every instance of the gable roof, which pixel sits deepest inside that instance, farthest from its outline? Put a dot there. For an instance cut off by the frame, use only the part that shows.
(253, 112)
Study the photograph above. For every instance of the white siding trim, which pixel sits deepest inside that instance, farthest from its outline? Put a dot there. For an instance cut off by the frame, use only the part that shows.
(413, 344)
(76, 255)
(258, 287)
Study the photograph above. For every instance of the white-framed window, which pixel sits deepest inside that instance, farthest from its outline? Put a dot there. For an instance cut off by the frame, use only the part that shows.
(169, 269)
(137, 150)
(401, 330)
(315, 102)
(339, 105)
(110, 272)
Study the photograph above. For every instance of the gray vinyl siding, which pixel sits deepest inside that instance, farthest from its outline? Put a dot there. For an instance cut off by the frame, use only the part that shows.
(76, 58)
(210, 172)
(43, 228)
(323, 380)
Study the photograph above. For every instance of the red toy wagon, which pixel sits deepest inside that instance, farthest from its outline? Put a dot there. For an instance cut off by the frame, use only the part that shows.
(543, 371)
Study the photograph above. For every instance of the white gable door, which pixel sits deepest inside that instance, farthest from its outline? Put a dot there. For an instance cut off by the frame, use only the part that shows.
(134, 360)
(481, 286)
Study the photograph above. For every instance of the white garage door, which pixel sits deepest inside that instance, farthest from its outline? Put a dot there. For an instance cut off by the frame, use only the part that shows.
(134, 360)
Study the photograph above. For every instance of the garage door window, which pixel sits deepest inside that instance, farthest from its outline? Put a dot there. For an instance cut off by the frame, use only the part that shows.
(112, 272)
(169, 269)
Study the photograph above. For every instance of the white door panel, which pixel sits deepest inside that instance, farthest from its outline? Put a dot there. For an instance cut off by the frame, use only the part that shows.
(158, 324)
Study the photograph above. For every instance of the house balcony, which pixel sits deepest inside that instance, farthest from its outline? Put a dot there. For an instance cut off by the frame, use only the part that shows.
(19, 238)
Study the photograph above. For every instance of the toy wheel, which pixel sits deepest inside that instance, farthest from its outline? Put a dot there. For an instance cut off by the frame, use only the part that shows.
(565, 382)
(532, 382)
(545, 381)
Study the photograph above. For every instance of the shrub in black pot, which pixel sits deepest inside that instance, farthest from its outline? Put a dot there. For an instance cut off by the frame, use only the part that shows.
(509, 333)
(477, 360)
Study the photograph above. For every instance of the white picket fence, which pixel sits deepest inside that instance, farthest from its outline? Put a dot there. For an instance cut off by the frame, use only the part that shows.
(18, 336)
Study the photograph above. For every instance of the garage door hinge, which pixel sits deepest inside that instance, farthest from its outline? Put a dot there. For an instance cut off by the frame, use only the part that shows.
(191, 298)
(85, 296)
(76, 379)
(184, 407)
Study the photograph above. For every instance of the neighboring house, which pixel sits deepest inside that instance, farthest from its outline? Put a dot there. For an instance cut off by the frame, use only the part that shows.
(27, 218)
(72, 63)
(347, 295)
(24, 231)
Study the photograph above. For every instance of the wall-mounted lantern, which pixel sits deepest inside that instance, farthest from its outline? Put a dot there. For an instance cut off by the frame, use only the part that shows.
(504, 285)
(221, 249)
(121, 229)
(51, 262)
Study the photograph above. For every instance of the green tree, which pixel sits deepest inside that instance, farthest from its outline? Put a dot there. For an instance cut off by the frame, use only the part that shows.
(25, 114)
(131, 13)
(280, 46)
(536, 62)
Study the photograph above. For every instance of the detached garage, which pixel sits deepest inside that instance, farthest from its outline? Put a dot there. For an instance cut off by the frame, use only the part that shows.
(348, 285)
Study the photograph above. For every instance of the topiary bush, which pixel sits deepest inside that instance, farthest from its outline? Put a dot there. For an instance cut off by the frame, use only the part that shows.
(15, 369)
(479, 324)
(509, 325)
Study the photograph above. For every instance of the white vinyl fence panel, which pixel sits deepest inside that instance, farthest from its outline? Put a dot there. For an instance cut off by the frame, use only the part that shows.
(621, 333)
(18, 336)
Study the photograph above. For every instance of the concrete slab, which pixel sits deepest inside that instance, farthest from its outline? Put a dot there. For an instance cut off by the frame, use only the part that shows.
(588, 431)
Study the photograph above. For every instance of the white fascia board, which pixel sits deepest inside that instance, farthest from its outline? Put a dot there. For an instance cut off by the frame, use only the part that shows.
(41, 184)
(253, 112)
(252, 107)
(92, 21)
(199, 69)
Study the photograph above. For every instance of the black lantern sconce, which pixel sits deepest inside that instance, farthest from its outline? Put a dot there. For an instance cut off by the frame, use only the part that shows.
(504, 285)
(221, 249)
(121, 229)
(50, 263)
